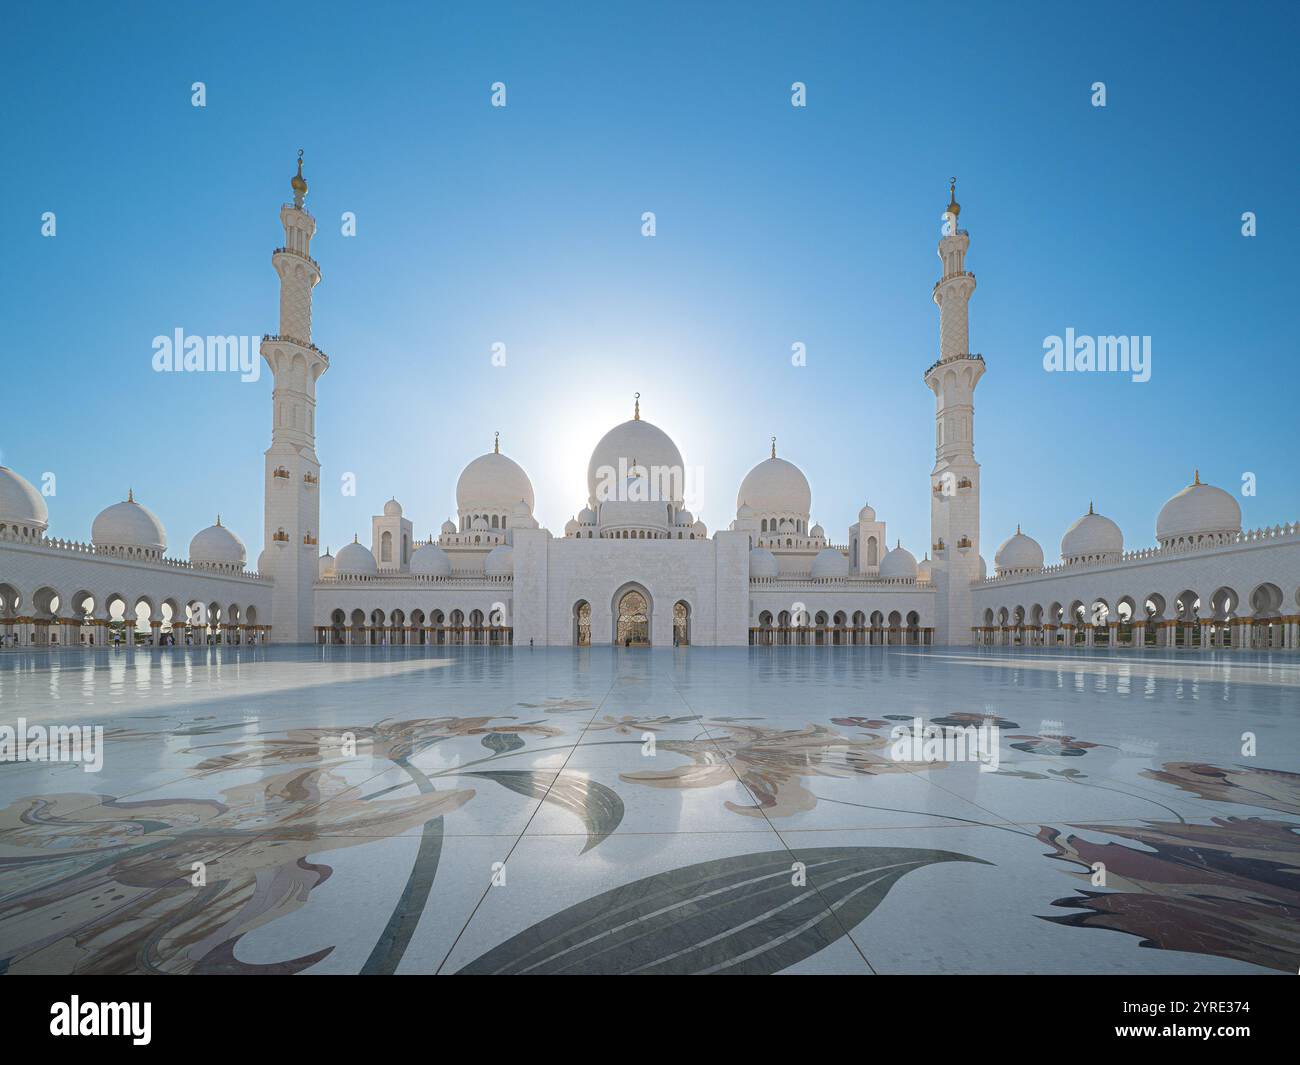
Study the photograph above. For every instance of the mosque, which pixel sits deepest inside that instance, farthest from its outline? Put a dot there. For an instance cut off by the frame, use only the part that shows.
(633, 566)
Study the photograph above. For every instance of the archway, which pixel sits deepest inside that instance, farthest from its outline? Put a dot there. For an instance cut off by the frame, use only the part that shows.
(682, 623)
(582, 623)
(632, 618)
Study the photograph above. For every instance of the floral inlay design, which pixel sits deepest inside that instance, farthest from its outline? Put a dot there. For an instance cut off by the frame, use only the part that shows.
(1229, 888)
(103, 886)
(771, 763)
(98, 885)
(1057, 745)
(631, 725)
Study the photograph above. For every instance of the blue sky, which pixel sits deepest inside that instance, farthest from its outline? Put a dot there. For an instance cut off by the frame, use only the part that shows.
(521, 225)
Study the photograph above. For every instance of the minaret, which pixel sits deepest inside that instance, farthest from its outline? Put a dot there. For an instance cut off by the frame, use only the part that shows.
(292, 509)
(955, 480)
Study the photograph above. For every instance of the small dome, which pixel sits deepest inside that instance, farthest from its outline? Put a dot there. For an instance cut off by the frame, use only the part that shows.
(830, 563)
(898, 563)
(744, 512)
(20, 502)
(586, 516)
(762, 563)
(129, 525)
(217, 545)
(522, 509)
(867, 513)
(493, 482)
(430, 560)
(324, 566)
(1197, 511)
(984, 569)
(500, 561)
(392, 509)
(264, 563)
(570, 527)
(817, 532)
(479, 524)
(924, 569)
(1018, 553)
(684, 517)
(775, 486)
(787, 526)
(1092, 536)
(355, 560)
(448, 528)
(700, 530)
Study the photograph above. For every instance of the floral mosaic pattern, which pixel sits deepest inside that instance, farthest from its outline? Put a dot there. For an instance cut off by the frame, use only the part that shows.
(1229, 888)
(771, 763)
(93, 884)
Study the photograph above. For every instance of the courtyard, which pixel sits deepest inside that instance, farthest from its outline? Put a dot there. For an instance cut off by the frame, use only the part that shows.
(447, 810)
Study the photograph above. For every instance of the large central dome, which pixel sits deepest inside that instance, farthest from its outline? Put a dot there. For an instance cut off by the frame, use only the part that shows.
(641, 444)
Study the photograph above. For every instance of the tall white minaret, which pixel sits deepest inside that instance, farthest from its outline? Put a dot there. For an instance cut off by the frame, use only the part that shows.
(955, 480)
(292, 523)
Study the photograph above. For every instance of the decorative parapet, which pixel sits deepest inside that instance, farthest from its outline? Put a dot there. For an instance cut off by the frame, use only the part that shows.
(951, 358)
(286, 339)
(794, 582)
(300, 255)
(77, 547)
(1262, 537)
(458, 580)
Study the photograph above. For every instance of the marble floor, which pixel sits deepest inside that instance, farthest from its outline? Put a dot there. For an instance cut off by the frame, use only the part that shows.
(760, 810)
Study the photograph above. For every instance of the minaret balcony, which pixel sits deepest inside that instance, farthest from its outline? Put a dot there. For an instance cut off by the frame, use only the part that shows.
(950, 277)
(278, 338)
(299, 255)
(949, 361)
(310, 480)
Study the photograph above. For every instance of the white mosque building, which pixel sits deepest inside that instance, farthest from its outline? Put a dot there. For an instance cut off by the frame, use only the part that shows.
(633, 566)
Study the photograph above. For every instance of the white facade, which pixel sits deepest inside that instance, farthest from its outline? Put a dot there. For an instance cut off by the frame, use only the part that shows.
(634, 566)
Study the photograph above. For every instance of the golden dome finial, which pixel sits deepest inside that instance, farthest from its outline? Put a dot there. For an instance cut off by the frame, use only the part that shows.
(1090, 506)
(1017, 528)
(218, 520)
(130, 495)
(1196, 478)
(636, 410)
(496, 442)
(774, 447)
(299, 183)
(954, 208)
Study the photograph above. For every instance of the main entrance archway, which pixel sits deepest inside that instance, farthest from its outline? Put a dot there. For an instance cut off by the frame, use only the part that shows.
(632, 619)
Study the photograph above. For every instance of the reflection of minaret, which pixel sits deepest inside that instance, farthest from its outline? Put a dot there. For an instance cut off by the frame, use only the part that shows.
(292, 512)
(955, 479)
